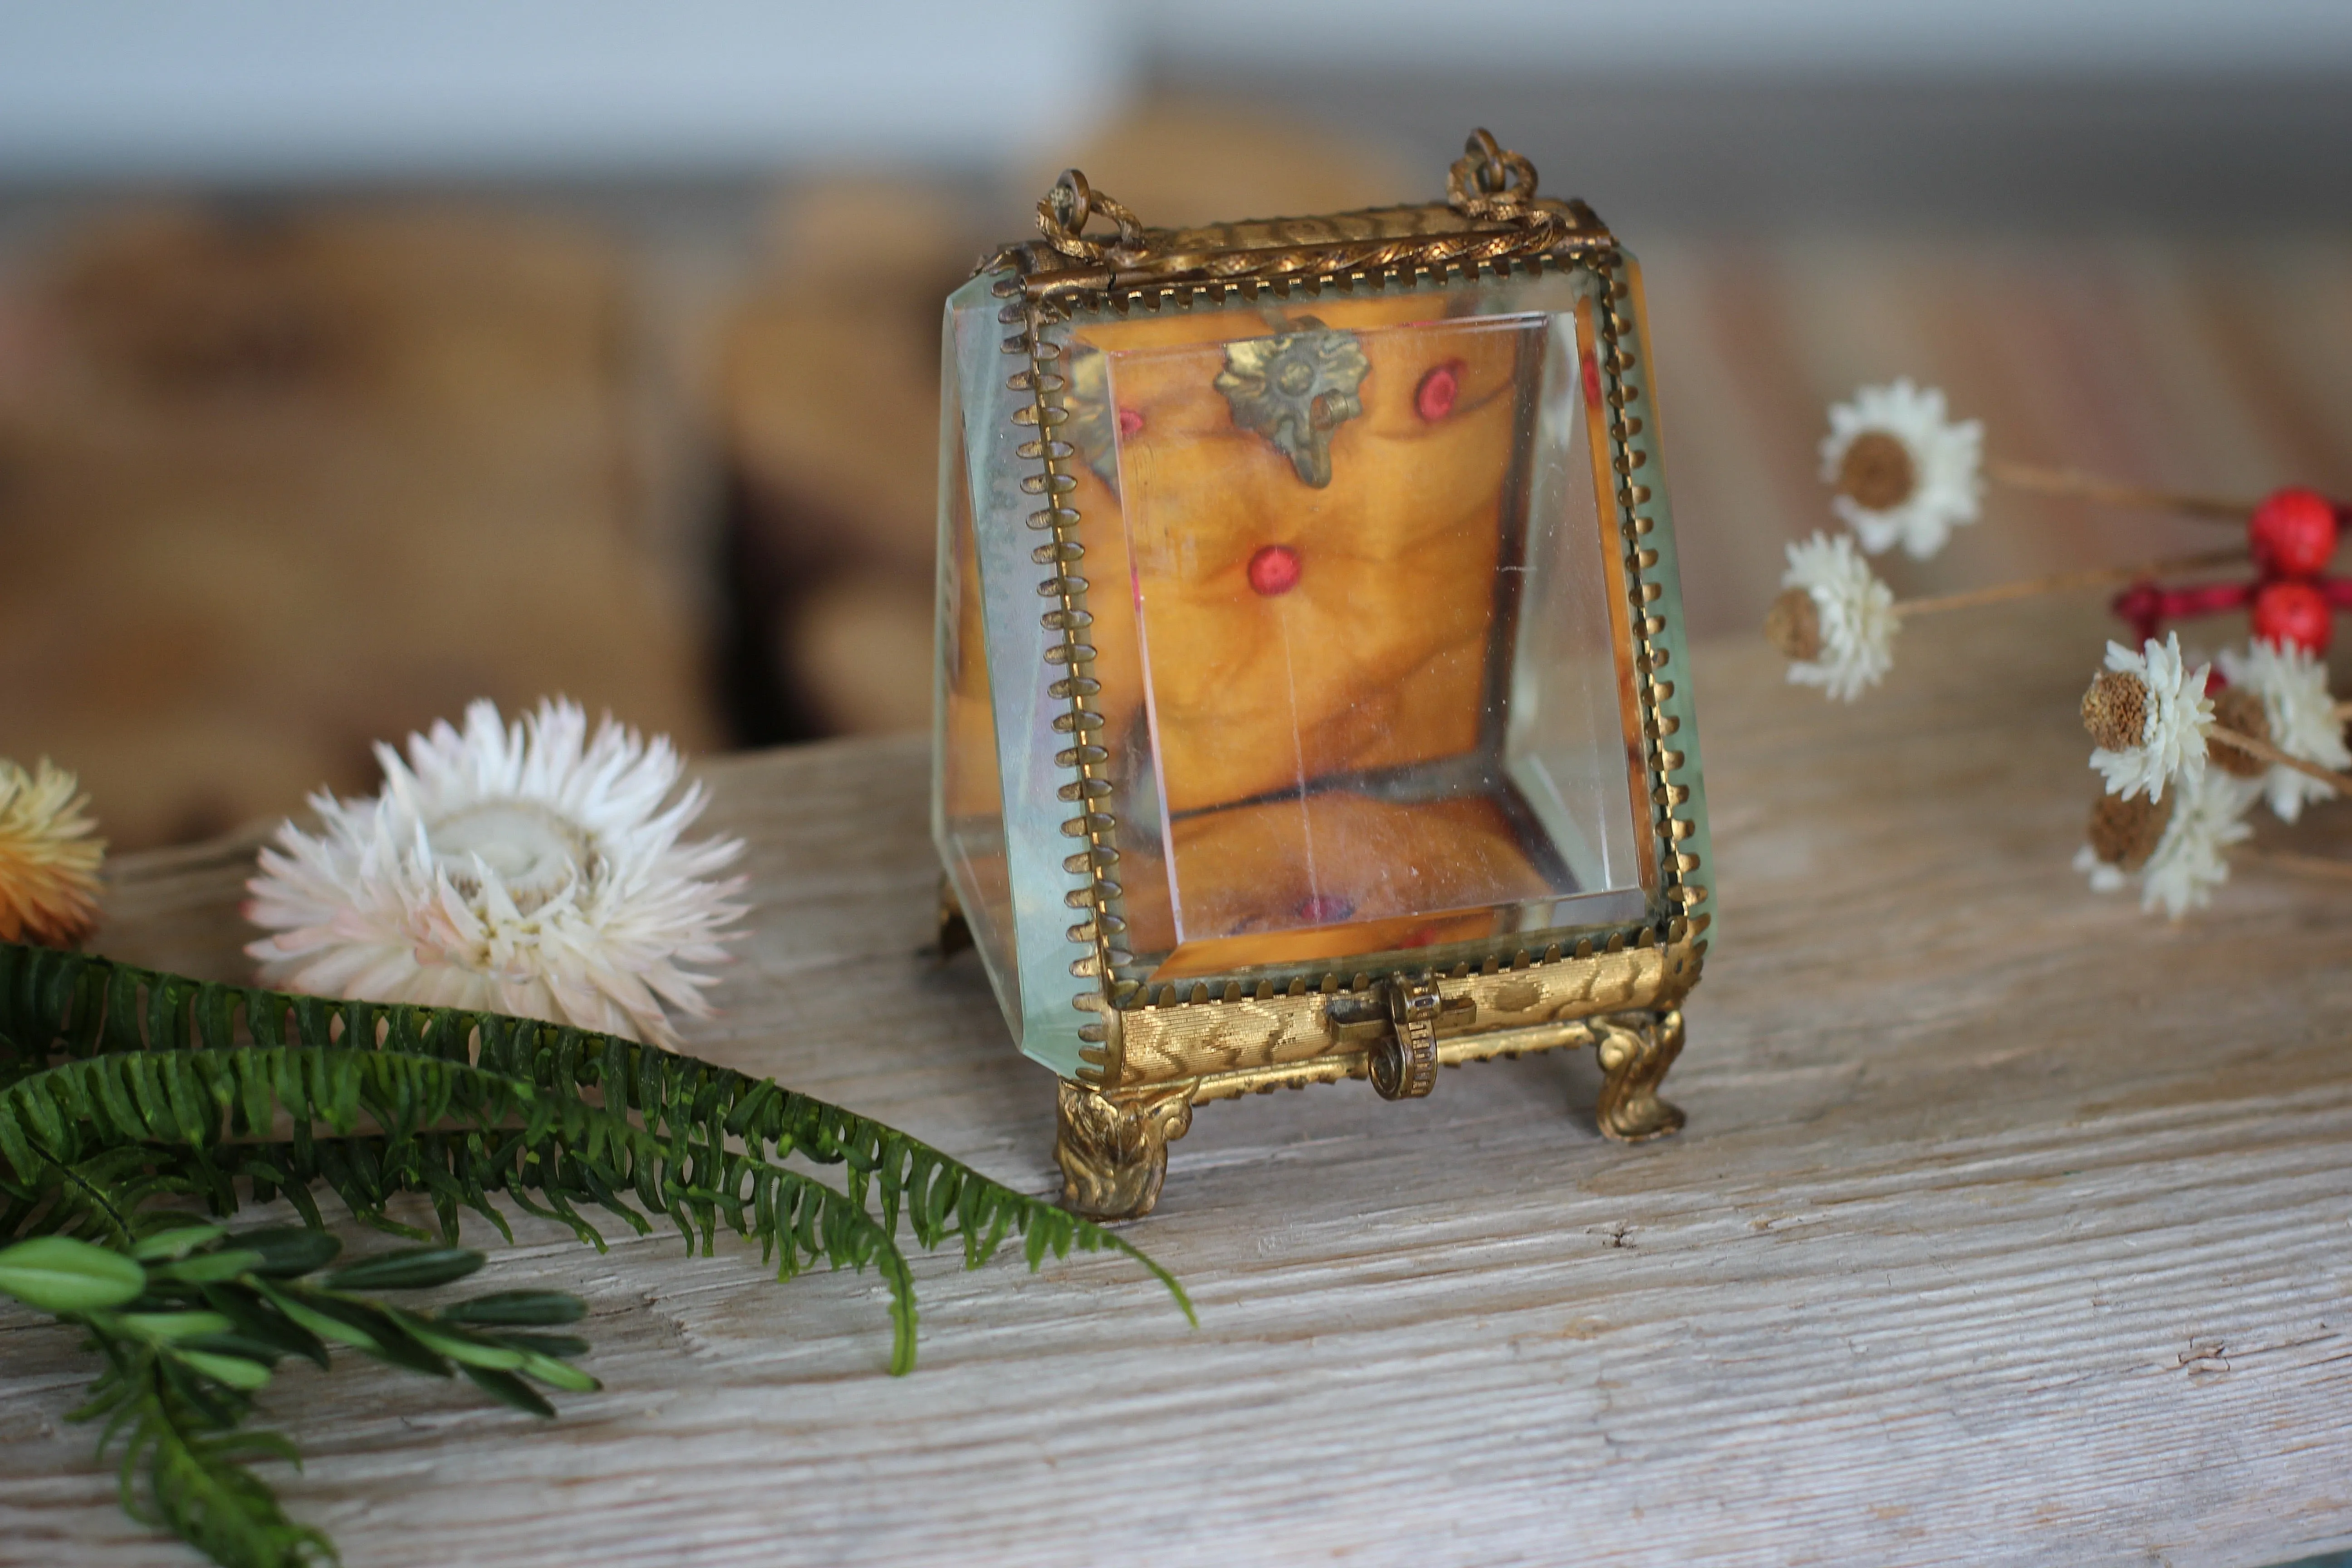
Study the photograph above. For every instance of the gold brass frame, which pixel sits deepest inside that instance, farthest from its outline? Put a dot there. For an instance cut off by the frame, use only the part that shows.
(1151, 1054)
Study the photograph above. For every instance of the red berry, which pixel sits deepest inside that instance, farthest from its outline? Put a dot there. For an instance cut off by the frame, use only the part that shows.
(1434, 398)
(2292, 615)
(2292, 534)
(1130, 422)
(1274, 570)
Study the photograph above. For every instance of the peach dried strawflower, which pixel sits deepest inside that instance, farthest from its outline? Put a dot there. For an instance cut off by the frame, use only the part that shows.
(49, 857)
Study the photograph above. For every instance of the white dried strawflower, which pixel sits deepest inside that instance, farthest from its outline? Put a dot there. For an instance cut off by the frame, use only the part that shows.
(2148, 716)
(2175, 849)
(528, 869)
(1903, 471)
(2293, 685)
(1835, 620)
(2190, 860)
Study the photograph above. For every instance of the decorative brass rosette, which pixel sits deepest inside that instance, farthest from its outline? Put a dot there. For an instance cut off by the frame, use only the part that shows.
(1295, 389)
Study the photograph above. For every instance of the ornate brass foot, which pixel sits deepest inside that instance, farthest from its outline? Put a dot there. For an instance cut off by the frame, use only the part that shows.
(1635, 1050)
(1114, 1154)
(955, 933)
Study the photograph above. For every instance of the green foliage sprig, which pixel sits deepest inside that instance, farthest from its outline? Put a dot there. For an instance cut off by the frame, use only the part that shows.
(122, 1090)
(192, 1323)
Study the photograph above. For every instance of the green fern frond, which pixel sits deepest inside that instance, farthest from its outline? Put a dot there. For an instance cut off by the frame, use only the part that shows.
(107, 1198)
(120, 1088)
(677, 1095)
(97, 1054)
(200, 1102)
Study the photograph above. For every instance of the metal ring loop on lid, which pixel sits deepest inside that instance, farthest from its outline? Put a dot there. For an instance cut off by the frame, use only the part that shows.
(1062, 218)
(1491, 184)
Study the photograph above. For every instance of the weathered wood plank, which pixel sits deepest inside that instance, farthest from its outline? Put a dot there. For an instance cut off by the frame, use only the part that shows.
(2011, 1225)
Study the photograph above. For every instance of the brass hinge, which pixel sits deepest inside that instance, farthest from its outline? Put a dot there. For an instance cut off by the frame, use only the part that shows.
(1404, 1062)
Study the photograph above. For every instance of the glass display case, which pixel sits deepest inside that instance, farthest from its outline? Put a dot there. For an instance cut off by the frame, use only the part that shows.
(1311, 699)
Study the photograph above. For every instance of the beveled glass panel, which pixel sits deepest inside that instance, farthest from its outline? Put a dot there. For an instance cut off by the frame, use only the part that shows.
(967, 788)
(1365, 685)
(1038, 990)
(1572, 757)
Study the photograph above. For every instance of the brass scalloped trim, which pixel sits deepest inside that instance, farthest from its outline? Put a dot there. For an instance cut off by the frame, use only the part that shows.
(1675, 921)
(1612, 329)
(1675, 898)
(1068, 652)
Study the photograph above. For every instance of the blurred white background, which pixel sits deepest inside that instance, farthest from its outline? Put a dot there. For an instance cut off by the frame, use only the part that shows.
(237, 90)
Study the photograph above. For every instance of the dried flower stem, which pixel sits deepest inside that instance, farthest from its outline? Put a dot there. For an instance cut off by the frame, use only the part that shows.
(2221, 734)
(2065, 581)
(2069, 483)
(2310, 865)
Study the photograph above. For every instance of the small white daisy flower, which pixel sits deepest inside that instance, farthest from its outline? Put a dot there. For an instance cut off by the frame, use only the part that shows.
(528, 869)
(1903, 471)
(2189, 861)
(2148, 716)
(2293, 685)
(1835, 620)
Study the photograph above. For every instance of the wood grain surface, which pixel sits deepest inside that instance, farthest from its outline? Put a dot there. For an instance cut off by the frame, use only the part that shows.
(2011, 1225)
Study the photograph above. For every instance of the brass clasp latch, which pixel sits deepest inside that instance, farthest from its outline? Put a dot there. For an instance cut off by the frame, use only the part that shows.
(1404, 1064)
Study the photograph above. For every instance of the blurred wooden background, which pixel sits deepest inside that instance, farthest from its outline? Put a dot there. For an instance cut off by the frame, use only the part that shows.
(281, 476)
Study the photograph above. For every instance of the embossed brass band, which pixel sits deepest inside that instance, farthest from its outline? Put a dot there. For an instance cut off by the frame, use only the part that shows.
(1243, 1047)
(1378, 239)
